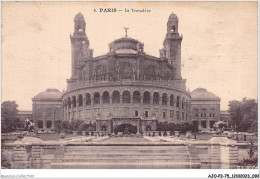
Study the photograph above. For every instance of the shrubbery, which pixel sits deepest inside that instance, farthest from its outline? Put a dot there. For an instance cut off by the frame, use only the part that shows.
(244, 126)
(182, 127)
(4, 162)
(123, 127)
(77, 125)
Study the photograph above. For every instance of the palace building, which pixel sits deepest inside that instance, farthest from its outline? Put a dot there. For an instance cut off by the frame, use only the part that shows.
(126, 85)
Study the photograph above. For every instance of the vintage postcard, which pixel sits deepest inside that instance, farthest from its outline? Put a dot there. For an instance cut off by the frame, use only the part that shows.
(129, 85)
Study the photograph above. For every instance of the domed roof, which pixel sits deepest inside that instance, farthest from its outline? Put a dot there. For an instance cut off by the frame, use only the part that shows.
(79, 17)
(125, 43)
(50, 93)
(173, 17)
(202, 93)
(125, 38)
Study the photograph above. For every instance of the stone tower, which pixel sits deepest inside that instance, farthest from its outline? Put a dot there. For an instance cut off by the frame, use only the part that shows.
(79, 44)
(172, 45)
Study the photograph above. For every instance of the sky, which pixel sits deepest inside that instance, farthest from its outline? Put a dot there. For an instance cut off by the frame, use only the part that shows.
(219, 46)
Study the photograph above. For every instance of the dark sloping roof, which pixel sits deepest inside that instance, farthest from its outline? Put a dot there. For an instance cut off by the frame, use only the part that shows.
(50, 93)
(202, 93)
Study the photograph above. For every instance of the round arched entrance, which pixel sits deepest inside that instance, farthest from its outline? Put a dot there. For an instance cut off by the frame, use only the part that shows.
(126, 129)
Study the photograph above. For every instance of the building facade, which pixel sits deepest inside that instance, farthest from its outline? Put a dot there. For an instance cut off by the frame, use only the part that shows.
(224, 116)
(126, 86)
(205, 109)
(47, 108)
(22, 115)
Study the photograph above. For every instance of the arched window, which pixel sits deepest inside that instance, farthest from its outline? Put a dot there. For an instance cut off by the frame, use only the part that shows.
(171, 100)
(74, 101)
(212, 112)
(40, 113)
(40, 124)
(100, 73)
(195, 113)
(136, 97)
(88, 99)
(48, 113)
(146, 99)
(80, 100)
(156, 98)
(96, 98)
(150, 73)
(183, 103)
(178, 114)
(116, 97)
(126, 71)
(57, 114)
(164, 99)
(106, 98)
(204, 112)
(69, 102)
(173, 28)
(178, 102)
(126, 97)
(187, 105)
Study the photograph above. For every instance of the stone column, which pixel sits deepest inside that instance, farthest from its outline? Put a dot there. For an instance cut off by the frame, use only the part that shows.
(160, 106)
(101, 106)
(68, 110)
(138, 126)
(83, 108)
(120, 96)
(131, 99)
(92, 108)
(168, 101)
(160, 100)
(110, 105)
(168, 108)
(71, 108)
(64, 107)
(141, 99)
(141, 104)
(208, 124)
(199, 119)
(180, 109)
(77, 108)
(151, 99)
(131, 105)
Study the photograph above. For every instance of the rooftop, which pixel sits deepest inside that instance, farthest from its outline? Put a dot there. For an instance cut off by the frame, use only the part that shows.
(202, 93)
(49, 93)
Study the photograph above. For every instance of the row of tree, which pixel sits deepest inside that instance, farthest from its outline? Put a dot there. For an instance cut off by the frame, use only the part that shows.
(9, 117)
(244, 115)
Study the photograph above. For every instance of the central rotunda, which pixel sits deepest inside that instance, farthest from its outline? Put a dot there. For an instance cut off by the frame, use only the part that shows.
(126, 86)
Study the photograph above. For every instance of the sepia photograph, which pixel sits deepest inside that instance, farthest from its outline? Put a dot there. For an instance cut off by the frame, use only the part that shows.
(130, 85)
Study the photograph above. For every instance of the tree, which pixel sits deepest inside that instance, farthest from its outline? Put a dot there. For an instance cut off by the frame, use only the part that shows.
(9, 115)
(243, 113)
(235, 112)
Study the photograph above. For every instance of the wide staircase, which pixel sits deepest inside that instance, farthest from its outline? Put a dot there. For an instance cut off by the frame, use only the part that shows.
(127, 157)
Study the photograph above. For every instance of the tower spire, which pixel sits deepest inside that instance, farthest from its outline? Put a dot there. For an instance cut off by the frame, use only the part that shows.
(172, 45)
